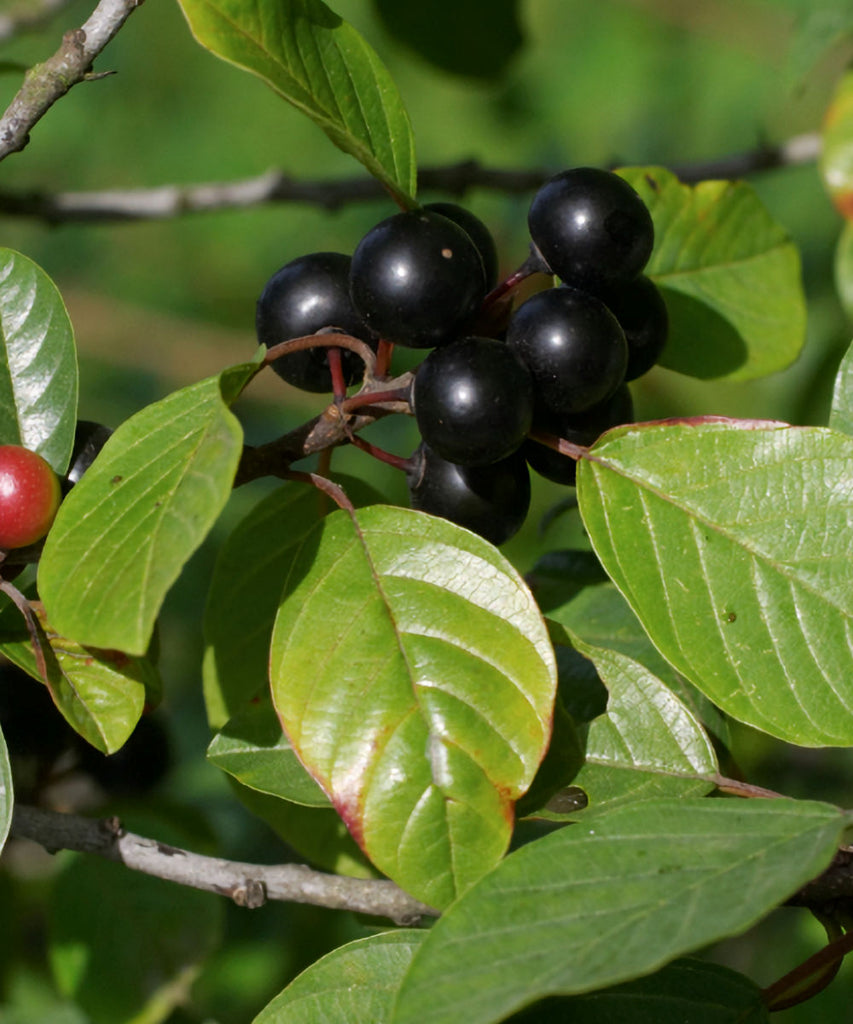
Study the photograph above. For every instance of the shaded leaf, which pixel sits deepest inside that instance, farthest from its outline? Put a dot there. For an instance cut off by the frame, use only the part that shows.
(253, 748)
(841, 415)
(38, 362)
(730, 276)
(413, 674)
(683, 992)
(731, 541)
(356, 982)
(100, 693)
(480, 45)
(601, 616)
(145, 505)
(653, 881)
(319, 63)
(243, 596)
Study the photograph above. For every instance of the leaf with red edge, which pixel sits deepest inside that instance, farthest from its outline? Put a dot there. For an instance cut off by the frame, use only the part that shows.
(414, 676)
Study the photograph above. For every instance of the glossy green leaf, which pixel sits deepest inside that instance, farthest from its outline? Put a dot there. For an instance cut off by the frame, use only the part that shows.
(684, 992)
(730, 276)
(356, 982)
(127, 946)
(38, 362)
(319, 63)
(100, 693)
(7, 792)
(413, 674)
(601, 616)
(841, 414)
(145, 505)
(253, 748)
(478, 46)
(611, 899)
(242, 600)
(731, 541)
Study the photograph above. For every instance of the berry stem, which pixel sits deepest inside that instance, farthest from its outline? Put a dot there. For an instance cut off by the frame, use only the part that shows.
(363, 398)
(384, 352)
(397, 461)
(327, 340)
(339, 385)
(534, 264)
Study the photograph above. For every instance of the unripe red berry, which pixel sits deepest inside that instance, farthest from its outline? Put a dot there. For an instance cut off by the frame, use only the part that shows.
(29, 496)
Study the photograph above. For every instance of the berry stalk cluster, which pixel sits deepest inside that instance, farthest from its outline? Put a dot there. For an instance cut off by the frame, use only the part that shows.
(499, 385)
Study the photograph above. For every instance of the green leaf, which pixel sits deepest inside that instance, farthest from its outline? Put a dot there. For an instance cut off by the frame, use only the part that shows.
(413, 674)
(841, 414)
(836, 158)
(244, 592)
(38, 362)
(356, 982)
(253, 748)
(100, 693)
(7, 798)
(480, 45)
(602, 617)
(683, 992)
(731, 541)
(124, 945)
(145, 505)
(611, 899)
(844, 268)
(730, 276)
(319, 63)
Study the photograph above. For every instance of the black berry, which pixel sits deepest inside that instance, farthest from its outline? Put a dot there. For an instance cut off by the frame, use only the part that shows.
(591, 227)
(574, 348)
(639, 307)
(583, 429)
(305, 296)
(477, 232)
(89, 439)
(490, 500)
(473, 401)
(417, 279)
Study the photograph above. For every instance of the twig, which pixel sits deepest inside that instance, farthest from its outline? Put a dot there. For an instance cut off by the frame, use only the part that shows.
(45, 83)
(275, 187)
(29, 17)
(249, 885)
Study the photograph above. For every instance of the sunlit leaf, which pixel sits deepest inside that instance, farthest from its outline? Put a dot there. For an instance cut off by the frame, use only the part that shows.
(730, 276)
(841, 414)
(611, 899)
(731, 541)
(356, 982)
(320, 64)
(125, 531)
(413, 674)
(38, 362)
(7, 798)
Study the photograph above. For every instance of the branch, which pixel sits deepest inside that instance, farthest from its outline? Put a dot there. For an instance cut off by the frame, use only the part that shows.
(248, 885)
(45, 83)
(275, 187)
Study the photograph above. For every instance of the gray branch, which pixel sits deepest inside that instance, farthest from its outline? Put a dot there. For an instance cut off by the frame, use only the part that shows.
(248, 885)
(45, 83)
(276, 187)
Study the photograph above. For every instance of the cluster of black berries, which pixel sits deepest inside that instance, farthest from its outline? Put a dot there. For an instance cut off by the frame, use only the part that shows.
(557, 365)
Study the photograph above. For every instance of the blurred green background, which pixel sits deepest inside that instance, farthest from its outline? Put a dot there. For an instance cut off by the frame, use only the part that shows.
(158, 305)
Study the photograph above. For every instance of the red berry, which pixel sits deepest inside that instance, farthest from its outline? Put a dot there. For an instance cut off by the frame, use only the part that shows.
(29, 496)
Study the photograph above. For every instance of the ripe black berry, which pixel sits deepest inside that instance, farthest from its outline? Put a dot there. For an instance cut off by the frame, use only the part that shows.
(639, 307)
(477, 232)
(583, 429)
(417, 279)
(89, 439)
(490, 500)
(591, 227)
(473, 401)
(574, 348)
(305, 296)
